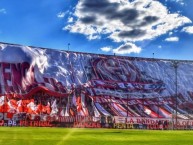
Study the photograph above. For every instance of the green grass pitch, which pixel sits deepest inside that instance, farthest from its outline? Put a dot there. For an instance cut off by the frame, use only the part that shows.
(73, 136)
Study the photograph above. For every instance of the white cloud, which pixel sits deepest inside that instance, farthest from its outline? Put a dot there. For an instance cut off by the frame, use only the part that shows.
(3, 11)
(127, 48)
(181, 2)
(106, 49)
(172, 39)
(70, 19)
(159, 46)
(188, 29)
(61, 14)
(170, 33)
(124, 21)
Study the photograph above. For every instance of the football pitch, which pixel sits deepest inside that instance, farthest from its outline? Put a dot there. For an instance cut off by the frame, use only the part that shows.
(75, 136)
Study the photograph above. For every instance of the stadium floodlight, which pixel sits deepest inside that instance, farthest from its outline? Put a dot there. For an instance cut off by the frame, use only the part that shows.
(68, 46)
(175, 66)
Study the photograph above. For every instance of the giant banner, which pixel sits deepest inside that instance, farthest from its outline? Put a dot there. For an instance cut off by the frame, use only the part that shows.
(54, 83)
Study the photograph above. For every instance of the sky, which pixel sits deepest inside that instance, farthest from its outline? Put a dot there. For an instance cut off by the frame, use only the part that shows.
(136, 28)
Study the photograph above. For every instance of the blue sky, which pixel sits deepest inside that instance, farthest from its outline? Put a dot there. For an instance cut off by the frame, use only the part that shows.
(138, 28)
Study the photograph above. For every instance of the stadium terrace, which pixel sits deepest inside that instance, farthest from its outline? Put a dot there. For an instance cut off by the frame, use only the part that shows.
(46, 87)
